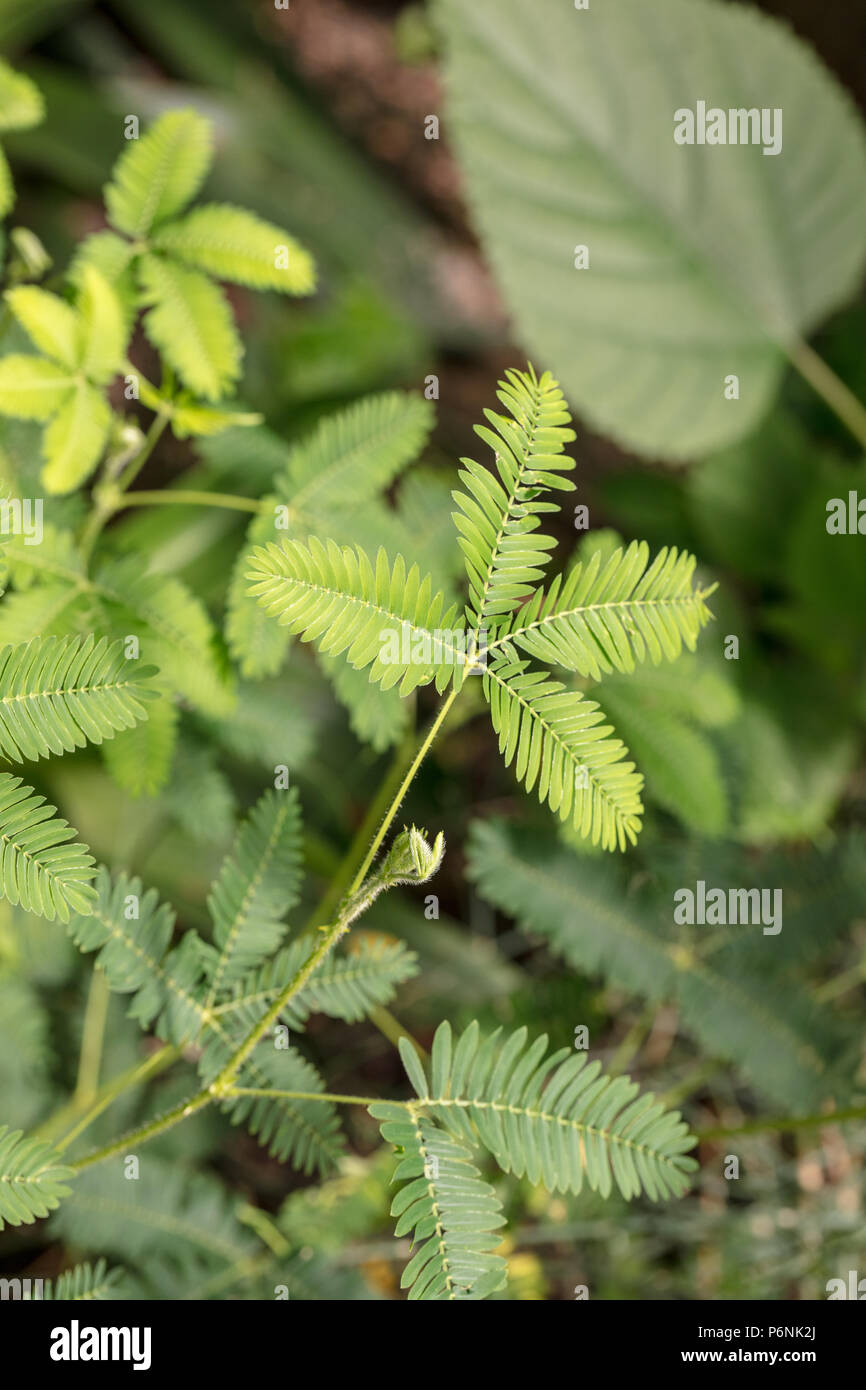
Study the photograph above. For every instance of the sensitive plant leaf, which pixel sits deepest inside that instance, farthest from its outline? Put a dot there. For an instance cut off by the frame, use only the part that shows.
(701, 264)
(781, 1039)
(60, 694)
(558, 1118)
(168, 1209)
(348, 986)
(562, 749)
(451, 1213)
(139, 760)
(354, 454)
(581, 906)
(175, 631)
(294, 1129)
(189, 321)
(256, 642)
(85, 1283)
(132, 931)
(257, 885)
(159, 173)
(75, 439)
(498, 519)
(384, 618)
(681, 765)
(32, 388)
(610, 616)
(32, 1179)
(378, 717)
(38, 867)
(233, 244)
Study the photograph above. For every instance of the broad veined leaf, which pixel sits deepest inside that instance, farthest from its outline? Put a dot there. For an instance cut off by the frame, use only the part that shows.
(32, 388)
(704, 261)
(52, 325)
(158, 174)
(32, 1179)
(39, 868)
(191, 324)
(233, 244)
(75, 439)
(58, 694)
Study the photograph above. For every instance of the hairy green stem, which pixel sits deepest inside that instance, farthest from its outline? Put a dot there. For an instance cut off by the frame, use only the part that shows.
(786, 1122)
(134, 1076)
(423, 750)
(150, 1130)
(334, 1097)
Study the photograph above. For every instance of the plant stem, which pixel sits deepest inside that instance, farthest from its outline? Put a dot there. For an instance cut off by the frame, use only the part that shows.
(90, 1059)
(146, 1131)
(142, 1071)
(423, 750)
(187, 498)
(830, 388)
(106, 506)
(327, 906)
(332, 934)
(787, 1122)
(335, 1097)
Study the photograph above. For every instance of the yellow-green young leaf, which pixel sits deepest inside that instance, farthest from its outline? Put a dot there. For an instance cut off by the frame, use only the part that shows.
(104, 334)
(51, 324)
(191, 324)
(201, 420)
(236, 245)
(113, 256)
(74, 441)
(21, 104)
(158, 175)
(7, 190)
(32, 388)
